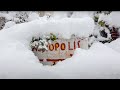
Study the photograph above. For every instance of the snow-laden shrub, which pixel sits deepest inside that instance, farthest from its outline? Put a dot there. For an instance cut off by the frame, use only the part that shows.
(16, 17)
(107, 26)
(42, 42)
(2, 22)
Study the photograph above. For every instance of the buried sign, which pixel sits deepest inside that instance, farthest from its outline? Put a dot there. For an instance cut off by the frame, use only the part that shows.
(60, 49)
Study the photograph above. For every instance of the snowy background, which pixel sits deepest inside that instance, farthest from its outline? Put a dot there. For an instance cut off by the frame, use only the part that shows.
(18, 61)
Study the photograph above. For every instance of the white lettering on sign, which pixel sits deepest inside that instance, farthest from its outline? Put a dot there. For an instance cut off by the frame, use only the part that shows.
(62, 49)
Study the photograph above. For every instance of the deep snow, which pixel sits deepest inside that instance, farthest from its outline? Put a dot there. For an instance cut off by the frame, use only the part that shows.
(18, 61)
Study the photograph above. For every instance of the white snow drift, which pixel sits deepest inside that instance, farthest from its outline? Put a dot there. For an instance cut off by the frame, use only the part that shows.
(18, 61)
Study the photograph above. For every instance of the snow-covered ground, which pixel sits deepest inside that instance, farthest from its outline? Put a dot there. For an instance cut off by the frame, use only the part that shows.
(115, 45)
(18, 61)
(99, 61)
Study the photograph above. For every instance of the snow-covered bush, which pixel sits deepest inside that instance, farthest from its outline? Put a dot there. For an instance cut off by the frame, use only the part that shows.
(105, 21)
(107, 26)
(2, 22)
(9, 18)
(41, 43)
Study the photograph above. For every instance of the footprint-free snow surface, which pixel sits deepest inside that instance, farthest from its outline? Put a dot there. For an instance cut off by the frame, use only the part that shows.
(18, 61)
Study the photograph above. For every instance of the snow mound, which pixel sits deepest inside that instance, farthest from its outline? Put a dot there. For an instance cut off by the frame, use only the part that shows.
(16, 58)
(9, 24)
(33, 16)
(18, 61)
(82, 14)
(66, 27)
(59, 15)
(97, 62)
(115, 45)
